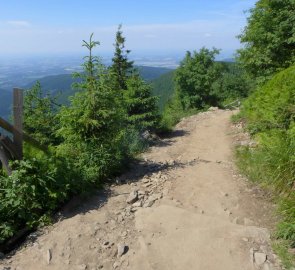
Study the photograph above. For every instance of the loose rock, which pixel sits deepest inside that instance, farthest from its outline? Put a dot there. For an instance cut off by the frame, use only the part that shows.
(48, 256)
(137, 204)
(148, 203)
(122, 249)
(260, 258)
(133, 197)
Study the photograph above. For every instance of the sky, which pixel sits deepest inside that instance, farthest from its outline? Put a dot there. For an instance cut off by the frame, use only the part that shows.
(48, 27)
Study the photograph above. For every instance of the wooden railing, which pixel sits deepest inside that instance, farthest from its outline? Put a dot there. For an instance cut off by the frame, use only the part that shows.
(12, 149)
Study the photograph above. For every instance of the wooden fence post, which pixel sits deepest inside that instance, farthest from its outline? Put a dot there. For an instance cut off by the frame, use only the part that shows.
(18, 121)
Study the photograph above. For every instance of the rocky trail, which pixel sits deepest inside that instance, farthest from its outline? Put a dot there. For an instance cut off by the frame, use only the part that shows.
(183, 206)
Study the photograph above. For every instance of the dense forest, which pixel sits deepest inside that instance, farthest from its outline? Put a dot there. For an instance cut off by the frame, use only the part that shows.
(98, 130)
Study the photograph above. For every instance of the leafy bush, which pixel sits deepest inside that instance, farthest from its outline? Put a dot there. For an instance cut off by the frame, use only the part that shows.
(195, 77)
(268, 39)
(33, 190)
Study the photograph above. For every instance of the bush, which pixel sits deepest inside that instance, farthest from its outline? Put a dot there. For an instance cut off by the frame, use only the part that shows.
(33, 190)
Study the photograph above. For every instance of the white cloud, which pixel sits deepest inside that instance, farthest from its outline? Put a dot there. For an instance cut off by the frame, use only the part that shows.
(183, 36)
(18, 23)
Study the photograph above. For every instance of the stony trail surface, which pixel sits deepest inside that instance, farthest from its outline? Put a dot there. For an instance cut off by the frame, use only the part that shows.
(183, 206)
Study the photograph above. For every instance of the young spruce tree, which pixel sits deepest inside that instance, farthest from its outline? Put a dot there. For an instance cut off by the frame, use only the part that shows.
(91, 125)
(121, 67)
(140, 105)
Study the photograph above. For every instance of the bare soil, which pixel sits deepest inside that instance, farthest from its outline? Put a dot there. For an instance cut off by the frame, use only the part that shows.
(192, 210)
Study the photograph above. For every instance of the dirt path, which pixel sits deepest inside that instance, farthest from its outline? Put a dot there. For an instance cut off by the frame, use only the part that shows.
(191, 211)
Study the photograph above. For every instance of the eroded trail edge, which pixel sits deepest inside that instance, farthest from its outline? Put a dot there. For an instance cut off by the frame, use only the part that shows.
(184, 206)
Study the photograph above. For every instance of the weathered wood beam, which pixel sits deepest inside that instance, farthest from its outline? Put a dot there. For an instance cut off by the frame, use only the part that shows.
(10, 128)
(9, 146)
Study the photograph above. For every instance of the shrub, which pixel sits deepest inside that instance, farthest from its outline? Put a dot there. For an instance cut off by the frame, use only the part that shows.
(33, 190)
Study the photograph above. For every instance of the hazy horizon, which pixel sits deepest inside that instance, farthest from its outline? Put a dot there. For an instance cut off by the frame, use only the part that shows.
(57, 28)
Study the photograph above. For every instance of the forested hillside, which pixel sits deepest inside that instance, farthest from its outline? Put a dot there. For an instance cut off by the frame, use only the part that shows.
(163, 87)
(61, 86)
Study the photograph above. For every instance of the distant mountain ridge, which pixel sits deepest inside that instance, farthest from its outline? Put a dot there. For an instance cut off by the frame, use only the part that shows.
(61, 85)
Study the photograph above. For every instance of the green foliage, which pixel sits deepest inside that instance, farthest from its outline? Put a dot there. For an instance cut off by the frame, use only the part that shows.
(195, 78)
(270, 116)
(281, 248)
(272, 162)
(32, 192)
(141, 105)
(272, 106)
(91, 126)
(90, 139)
(269, 38)
(286, 229)
(173, 113)
(233, 84)
(151, 73)
(163, 87)
(121, 66)
(39, 115)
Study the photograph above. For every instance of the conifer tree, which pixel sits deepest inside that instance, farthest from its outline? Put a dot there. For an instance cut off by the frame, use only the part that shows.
(92, 124)
(121, 66)
(141, 105)
(141, 108)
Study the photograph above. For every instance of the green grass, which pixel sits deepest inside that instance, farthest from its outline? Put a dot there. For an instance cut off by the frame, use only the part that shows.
(269, 170)
(281, 247)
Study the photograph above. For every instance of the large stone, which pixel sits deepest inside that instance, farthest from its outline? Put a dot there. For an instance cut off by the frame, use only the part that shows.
(137, 204)
(133, 197)
(148, 203)
(121, 249)
(260, 258)
(48, 256)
